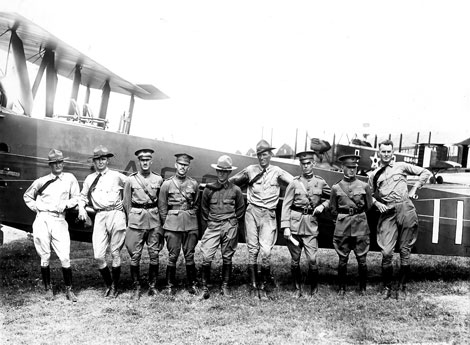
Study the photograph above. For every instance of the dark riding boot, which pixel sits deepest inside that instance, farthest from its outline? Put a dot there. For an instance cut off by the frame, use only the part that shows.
(297, 278)
(192, 279)
(116, 273)
(253, 273)
(67, 273)
(313, 280)
(107, 280)
(342, 274)
(170, 279)
(226, 275)
(362, 279)
(263, 279)
(135, 276)
(206, 274)
(153, 275)
(387, 274)
(403, 279)
(46, 279)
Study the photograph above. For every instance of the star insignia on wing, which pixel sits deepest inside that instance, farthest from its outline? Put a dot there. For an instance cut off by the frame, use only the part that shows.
(374, 161)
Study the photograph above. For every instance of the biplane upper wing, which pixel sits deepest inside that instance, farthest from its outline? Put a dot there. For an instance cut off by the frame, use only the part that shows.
(35, 40)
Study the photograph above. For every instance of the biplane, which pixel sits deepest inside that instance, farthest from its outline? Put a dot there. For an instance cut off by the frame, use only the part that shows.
(444, 210)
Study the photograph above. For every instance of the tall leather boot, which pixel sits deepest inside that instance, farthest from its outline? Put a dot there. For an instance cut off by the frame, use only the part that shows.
(153, 276)
(192, 280)
(342, 274)
(253, 273)
(403, 279)
(170, 279)
(116, 273)
(135, 276)
(206, 274)
(67, 273)
(226, 276)
(387, 274)
(297, 278)
(362, 279)
(263, 279)
(107, 280)
(313, 280)
(46, 279)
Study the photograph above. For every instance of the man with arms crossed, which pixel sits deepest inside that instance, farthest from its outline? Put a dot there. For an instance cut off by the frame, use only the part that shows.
(263, 182)
(49, 197)
(398, 220)
(102, 190)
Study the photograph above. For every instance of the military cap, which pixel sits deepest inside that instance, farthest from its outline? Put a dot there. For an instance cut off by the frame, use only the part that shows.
(144, 153)
(306, 155)
(183, 158)
(55, 156)
(351, 161)
(263, 146)
(224, 163)
(101, 151)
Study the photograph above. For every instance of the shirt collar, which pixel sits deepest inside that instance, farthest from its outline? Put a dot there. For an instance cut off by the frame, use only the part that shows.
(52, 176)
(103, 172)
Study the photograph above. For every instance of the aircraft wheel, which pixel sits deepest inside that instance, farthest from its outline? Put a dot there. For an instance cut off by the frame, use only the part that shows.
(439, 179)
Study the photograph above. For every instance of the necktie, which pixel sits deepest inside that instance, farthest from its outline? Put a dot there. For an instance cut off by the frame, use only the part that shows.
(44, 186)
(257, 177)
(376, 178)
(92, 187)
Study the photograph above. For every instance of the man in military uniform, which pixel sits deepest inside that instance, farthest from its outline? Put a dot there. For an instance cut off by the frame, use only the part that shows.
(102, 190)
(350, 199)
(222, 207)
(263, 182)
(306, 196)
(143, 227)
(178, 205)
(398, 220)
(49, 197)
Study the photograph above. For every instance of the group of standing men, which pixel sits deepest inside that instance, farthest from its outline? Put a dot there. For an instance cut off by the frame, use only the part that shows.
(145, 209)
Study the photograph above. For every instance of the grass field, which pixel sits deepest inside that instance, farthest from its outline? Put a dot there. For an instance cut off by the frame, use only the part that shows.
(438, 310)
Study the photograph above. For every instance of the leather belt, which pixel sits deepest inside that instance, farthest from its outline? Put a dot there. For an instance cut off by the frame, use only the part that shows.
(144, 206)
(56, 214)
(351, 211)
(110, 208)
(303, 210)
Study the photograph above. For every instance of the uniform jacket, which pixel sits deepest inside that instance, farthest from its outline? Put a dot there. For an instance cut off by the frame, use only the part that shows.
(178, 204)
(135, 195)
(392, 184)
(265, 191)
(107, 192)
(305, 193)
(222, 202)
(354, 197)
(59, 195)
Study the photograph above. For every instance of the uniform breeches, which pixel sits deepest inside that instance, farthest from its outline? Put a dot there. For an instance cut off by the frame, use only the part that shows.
(224, 233)
(109, 230)
(177, 239)
(359, 244)
(399, 224)
(261, 233)
(135, 240)
(50, 231)
(310, 245)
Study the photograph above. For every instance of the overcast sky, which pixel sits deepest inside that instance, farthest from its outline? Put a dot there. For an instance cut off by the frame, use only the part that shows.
(235, 70)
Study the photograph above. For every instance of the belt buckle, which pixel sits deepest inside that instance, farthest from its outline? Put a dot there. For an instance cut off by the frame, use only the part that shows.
(305, 211)
(351, 211)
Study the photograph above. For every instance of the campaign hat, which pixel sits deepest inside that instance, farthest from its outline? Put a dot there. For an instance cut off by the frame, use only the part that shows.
(55, 156)
(263, 146)
(144, 153)
(224, 163)
(304, 155)
(183, 158)
(101, 151)
(351, 161)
